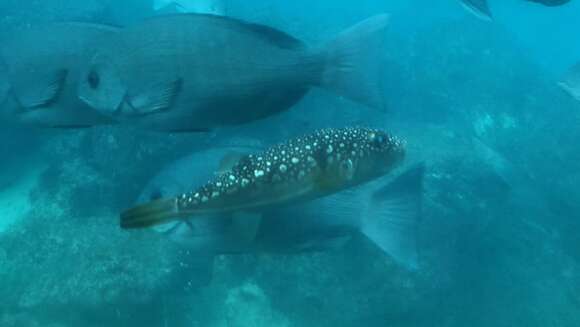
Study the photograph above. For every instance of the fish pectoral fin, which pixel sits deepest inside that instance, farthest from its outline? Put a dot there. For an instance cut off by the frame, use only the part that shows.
(52, 85)
(150, 214)
(393, 215)
(246, 225)
(160, 97)
(229, 160)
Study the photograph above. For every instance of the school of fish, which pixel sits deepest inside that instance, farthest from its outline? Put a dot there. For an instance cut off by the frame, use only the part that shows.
(188, 67)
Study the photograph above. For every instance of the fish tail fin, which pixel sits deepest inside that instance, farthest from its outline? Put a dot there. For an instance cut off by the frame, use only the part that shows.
(352, 62)
(150, 214)
(479, 8)
(393, 217)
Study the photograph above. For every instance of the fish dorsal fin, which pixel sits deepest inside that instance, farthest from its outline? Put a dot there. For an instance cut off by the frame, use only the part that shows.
(167, 8)
(267, 33)
(51, 86)
(275, 36)
(159, 97)
(245, 225)
(229, 160)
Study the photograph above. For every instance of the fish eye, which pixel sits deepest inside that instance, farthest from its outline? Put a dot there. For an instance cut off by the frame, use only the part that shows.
(93, 79)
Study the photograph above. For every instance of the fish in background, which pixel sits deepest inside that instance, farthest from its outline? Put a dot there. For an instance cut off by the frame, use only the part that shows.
(195, 72)
(571, 82)
(298, 170)
(41, 74)
(215, 7)
(480, 8)
(386, 211)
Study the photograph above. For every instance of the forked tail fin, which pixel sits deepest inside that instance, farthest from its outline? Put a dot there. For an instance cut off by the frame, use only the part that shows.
(393, 217)
(353, 61)
(150, 214)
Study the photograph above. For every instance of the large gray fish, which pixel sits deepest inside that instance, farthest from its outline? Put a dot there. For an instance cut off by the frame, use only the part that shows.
(480, 8)
(571, 81)
(191, 72)
(42, 65)
(387, 212)
(298, 170)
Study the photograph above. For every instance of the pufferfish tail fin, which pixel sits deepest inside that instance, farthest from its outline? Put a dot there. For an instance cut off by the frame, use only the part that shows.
(150, 214)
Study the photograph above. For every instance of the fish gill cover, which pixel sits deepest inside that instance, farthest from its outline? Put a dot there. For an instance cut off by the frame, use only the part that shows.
(497, 239)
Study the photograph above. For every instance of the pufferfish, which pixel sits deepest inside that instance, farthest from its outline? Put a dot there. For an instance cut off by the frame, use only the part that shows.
(300, 169)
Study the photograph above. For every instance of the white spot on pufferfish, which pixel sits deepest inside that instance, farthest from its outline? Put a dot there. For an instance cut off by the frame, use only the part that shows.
(215, 194)
(258, 173)
(204, 198)
(295, 160)
(245, 182)
(329, 149)
(283, 168)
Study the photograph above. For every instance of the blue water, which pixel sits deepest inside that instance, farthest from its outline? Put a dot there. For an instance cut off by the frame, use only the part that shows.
(477, 102)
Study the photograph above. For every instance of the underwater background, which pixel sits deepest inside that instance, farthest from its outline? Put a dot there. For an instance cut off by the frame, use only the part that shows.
(477, 102)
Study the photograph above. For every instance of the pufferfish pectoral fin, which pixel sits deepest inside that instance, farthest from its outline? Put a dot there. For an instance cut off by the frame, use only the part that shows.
(150, 214)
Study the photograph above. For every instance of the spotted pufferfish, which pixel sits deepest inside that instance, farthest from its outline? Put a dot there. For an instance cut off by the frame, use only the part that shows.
(301, 169)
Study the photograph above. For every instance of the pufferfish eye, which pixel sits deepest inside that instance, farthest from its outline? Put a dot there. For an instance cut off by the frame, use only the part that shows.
(93, 79)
